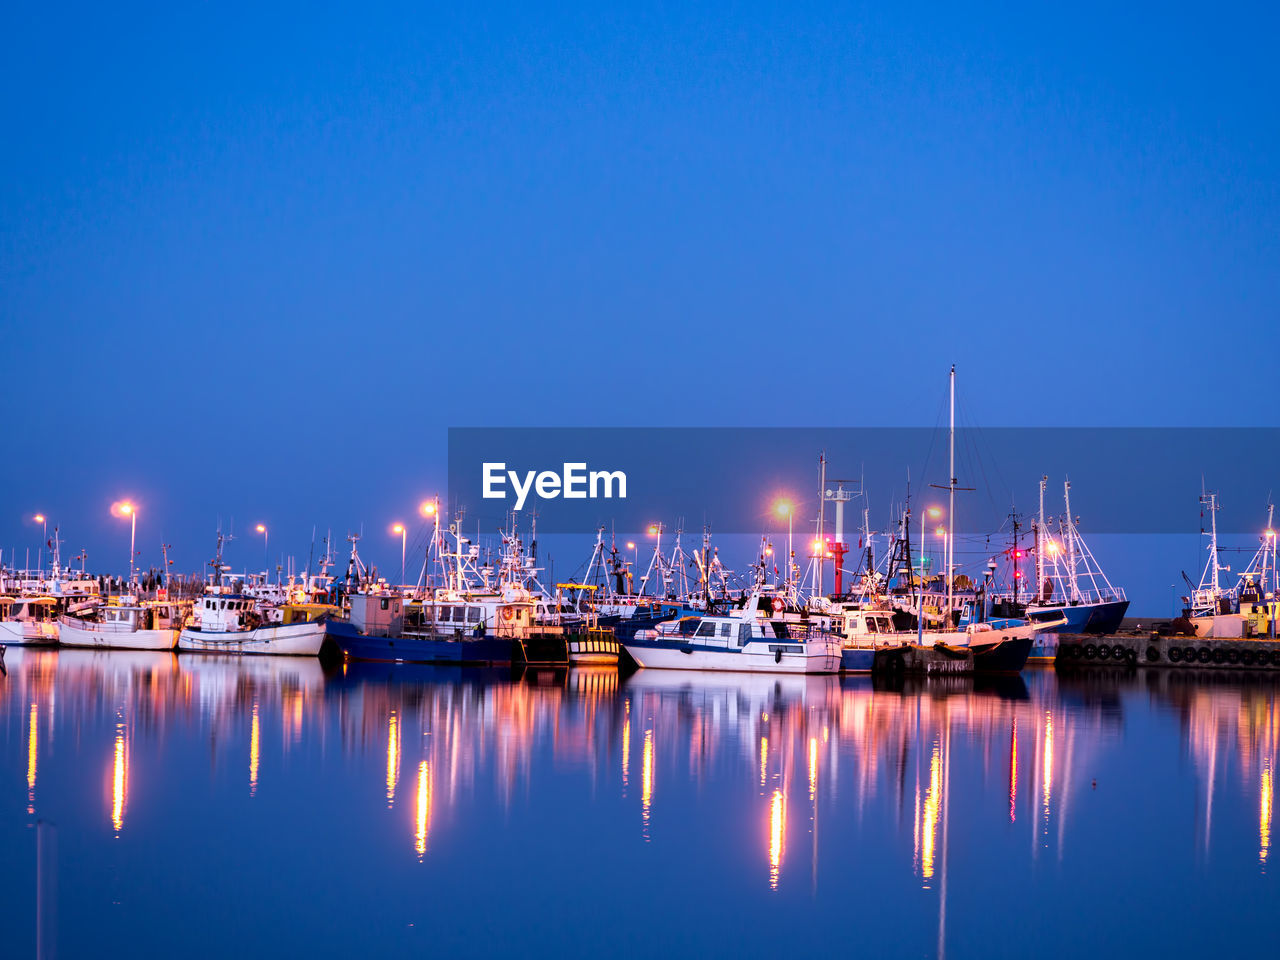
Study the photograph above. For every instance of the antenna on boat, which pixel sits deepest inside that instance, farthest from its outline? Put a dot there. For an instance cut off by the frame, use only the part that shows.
(951, 488)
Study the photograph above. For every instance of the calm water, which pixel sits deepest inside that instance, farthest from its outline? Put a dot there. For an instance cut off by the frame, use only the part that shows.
(195, 806)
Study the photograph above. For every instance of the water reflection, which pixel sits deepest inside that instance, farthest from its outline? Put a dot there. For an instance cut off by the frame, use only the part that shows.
(393, 758)
(33, 752)
(482, 752)
(119, 780)
(423, 809)
(255, 746)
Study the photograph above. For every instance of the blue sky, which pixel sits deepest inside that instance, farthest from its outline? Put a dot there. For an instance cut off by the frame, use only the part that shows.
(255, 261)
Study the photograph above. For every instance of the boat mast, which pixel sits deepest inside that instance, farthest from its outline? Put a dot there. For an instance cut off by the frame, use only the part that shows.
(819, 549)
(1211, 569)
(1073, 581)
(1040, 542)
(951, 498)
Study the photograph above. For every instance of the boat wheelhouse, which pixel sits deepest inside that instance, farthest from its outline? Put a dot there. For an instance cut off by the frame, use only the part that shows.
(31, 620)
(151, 625)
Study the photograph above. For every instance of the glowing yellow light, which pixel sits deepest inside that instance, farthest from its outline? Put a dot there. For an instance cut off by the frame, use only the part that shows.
(764, 759)
(813, 768)
(1053, 547)
(1048, 761)
(123, 508)
(935, 512)
(1013, 774)
(33, 743)
(1264, 813)
(777, 836)
(39, 518)
(427, 508)
(782, 508)
(423, 811)
(393, 759)
(932, 807)
(1270, 533)
(768, 551)
(646, 782)
(631, 545)
(118, 781)
(653, 529)
(817, 544)
(261, 528)
(626, 747)
(255, 741)
(941, 531)
(398, 529)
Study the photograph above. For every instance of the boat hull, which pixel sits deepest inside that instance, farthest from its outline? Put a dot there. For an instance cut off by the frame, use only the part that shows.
(1008, 654)
(597, 648)
(479, 650)
(1107, 617)
(290, 640)
(98, 637)
(813, 656)
(31, 633)
(857, 659)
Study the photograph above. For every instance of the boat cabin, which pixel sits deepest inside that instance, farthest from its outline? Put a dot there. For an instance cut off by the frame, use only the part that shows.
(148, 616)
(307, 612)
(34, 609)
(729, 631)
(225, 612)
(378, 615)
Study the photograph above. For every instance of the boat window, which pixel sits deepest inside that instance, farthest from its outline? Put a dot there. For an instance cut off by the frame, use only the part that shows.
(473, 614)
(706, 629)
(873, 625)
(726, 629)
(459, 614)
(780, 630)
(443, 616)
(744, 634)
(385, 603)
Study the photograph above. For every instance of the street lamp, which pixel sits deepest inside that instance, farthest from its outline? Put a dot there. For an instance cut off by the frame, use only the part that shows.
(784, 508)
(399, 528)
(127, 509)
(428, 508)
(39, 518)
(266, 549)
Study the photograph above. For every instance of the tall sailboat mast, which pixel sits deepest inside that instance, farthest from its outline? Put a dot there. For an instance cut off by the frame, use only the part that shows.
(951, 498)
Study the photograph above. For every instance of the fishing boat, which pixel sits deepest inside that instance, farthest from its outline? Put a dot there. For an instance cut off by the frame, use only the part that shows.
(130, 625)
(1070, 585)
(29, 621)
(469, 620)
(746, 639)
(1246, 609)
(230, 622)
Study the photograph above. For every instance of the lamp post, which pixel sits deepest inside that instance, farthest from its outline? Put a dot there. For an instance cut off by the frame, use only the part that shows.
(39, 518)
(635, 562)
(400, 529)
(783, 508)
(431, 510)
(127, 509)
(266, 549)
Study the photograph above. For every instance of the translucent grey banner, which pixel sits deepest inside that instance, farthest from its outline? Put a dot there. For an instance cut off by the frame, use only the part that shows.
(749, 479)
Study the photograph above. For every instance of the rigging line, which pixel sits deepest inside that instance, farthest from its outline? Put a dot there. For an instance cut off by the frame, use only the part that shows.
(971, 448)
(933, 440)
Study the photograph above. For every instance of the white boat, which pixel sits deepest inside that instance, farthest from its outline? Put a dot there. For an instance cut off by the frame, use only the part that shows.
(29, 620)
(152, 625)
(745, 639)
(229, 622)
